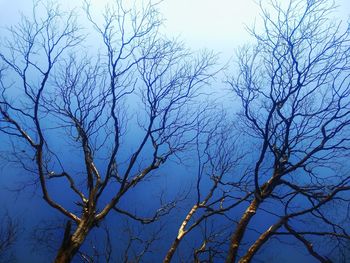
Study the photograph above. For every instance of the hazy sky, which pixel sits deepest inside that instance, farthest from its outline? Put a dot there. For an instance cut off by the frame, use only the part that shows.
(217, 24)
(211, 24)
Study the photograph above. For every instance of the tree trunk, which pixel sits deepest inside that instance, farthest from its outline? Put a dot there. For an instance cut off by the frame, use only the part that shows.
(240, 230)
(264, 237)
(72, 242)
(182, 232)
(66, 253)
(172, 250)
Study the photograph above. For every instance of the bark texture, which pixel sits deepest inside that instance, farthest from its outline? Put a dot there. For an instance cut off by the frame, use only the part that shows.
(240, 230)
(182, 232)
(72, 242)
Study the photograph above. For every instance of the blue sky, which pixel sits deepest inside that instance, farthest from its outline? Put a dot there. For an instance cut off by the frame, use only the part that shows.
(217, 25)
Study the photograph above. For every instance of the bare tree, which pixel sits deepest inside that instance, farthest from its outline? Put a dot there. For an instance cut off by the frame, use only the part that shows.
(9, 231)
(140, 243)
(294, 86)
(215, 236)
(89, 126)
(64, 104)
(217, 156)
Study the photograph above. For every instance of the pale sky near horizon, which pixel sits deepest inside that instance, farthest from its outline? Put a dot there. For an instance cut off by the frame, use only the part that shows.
(217, 25)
